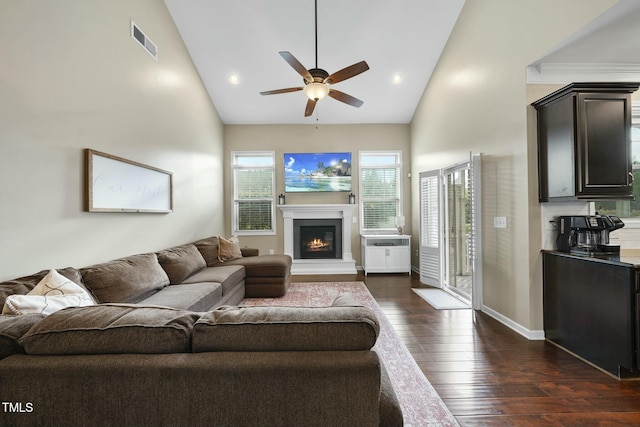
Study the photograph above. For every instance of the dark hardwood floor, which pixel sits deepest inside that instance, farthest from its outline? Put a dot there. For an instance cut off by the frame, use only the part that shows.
(489, 375)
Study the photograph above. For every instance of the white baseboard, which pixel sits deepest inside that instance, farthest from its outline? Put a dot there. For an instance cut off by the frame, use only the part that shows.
(527, 333)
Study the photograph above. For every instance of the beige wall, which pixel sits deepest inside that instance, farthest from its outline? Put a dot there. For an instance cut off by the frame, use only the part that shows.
(73, 78)
(477, 101)
(309, 139)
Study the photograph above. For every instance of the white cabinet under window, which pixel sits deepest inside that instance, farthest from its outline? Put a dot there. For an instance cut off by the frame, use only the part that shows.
(386, 253)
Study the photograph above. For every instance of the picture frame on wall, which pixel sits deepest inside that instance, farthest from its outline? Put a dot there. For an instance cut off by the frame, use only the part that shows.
(116, 184)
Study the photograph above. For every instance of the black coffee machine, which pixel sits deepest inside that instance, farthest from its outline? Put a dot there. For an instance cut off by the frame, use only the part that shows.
(588, 234)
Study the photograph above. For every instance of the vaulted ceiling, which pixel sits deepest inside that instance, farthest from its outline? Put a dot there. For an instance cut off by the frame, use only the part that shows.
(242, 38)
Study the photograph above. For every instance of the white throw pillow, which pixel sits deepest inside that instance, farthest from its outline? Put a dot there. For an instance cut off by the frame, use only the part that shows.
(54, 292)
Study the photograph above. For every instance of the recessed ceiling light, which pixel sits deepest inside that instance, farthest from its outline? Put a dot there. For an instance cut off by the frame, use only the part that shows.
(396, 79)
(234, 79)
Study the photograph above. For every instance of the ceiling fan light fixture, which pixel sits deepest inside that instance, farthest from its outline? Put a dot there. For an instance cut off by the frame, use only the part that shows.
(316, 91)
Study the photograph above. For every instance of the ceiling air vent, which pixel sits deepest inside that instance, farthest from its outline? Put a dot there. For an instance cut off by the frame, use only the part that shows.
(144, 41)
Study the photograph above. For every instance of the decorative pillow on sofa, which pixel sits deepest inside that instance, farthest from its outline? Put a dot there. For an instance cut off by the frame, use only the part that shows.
(53, 293)
(272, 328)
(181, 262)
(23, 285)
(229, 249)
(112, 329)
(125, 280)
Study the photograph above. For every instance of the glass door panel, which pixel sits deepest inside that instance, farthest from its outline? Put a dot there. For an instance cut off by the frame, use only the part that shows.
(458, 232)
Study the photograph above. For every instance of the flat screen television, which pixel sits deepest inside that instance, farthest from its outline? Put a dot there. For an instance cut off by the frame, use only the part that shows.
(314, 172)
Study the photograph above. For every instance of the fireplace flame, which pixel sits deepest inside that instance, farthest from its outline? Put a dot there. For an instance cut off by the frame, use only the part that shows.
(318, 244)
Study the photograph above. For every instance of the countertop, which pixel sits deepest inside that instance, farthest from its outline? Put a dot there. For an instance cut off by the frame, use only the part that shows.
(622, 260)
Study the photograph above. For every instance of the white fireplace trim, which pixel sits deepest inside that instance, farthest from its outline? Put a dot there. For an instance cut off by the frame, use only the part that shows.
(347, 264)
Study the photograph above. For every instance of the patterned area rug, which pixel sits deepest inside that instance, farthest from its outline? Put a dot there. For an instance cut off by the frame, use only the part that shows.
(421, 405)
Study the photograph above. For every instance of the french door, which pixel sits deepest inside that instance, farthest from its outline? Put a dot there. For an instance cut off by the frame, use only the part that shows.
(458, 230)
(430, 237)
(449, 230)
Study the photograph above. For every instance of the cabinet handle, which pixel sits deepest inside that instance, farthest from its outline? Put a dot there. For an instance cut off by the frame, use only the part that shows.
(632, 178)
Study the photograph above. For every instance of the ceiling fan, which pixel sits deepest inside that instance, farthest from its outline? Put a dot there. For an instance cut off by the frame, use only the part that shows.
(317, 80)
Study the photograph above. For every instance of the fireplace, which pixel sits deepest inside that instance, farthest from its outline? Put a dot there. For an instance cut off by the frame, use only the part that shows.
(317, 238)
(340, 216)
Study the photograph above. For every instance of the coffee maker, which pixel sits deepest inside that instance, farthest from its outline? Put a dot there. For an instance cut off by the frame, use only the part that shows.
(588, 234)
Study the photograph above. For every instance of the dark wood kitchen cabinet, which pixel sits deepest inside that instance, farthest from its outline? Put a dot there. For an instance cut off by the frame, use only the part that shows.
(584, 142)
(590, 308)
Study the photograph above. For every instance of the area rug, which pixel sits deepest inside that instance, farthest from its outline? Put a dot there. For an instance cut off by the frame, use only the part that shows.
(440, 300)
(421, 405)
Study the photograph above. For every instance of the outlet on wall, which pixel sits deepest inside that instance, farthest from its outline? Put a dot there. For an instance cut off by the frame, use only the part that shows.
(271, 252)
(499, 222)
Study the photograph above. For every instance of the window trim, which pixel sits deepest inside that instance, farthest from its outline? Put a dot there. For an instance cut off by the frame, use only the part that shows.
(234, 214)
(399, 191)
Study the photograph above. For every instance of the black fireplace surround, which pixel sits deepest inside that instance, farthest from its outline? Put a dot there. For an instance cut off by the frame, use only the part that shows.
(317, 238)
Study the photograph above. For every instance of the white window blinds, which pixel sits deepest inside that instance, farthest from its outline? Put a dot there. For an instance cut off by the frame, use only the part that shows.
(380, 190)
(253, 195)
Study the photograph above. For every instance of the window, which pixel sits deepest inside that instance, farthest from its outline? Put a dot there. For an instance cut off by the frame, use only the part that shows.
(253, 192)
(380, 200)
(627, 208)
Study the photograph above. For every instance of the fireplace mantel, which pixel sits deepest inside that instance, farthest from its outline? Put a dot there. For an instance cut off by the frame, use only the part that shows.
(346, 265)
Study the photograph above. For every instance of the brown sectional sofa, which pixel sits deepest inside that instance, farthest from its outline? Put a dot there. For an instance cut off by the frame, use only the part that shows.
(132, 365)
(188, 277)
(165, 345)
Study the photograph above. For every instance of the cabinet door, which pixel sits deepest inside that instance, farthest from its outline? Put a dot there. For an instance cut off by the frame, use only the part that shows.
(556, 144)
(397, 259)
(604, 145)
(376, 258)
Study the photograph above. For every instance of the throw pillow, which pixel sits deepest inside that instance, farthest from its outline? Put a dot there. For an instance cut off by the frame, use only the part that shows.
(54, 292)
(229, 249)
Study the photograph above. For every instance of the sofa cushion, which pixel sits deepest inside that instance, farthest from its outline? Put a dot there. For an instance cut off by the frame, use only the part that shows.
(286, 329)
(24, 285)
(229, 249)
(227, 275)
(127, 280)
(194, 297)
(111, 329)
(264, 265)
(208, 248)
(181, 262)
(12, 328)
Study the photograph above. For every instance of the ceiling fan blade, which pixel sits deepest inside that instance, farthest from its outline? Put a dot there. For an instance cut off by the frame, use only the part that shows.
(277, 91)
(343, 97)
(291, 60)
(311, 104)
(347, 73)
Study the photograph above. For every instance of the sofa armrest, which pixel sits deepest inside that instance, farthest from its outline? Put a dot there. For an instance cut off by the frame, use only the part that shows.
(246, 252)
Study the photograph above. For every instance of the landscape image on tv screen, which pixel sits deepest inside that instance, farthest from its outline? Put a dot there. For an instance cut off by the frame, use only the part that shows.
(308, 172)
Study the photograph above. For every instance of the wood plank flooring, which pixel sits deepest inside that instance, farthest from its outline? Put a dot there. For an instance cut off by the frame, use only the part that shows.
(489, 375)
